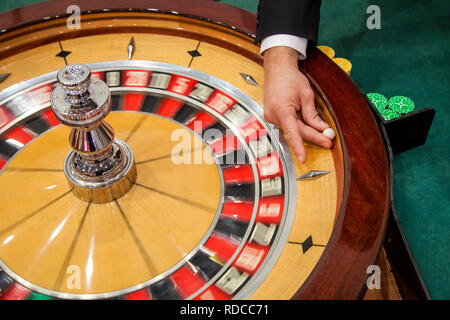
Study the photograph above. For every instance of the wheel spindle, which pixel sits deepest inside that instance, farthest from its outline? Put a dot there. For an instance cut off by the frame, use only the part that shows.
(100, 168)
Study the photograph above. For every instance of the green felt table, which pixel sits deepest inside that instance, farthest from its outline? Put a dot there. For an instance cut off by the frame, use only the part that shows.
(407, 56)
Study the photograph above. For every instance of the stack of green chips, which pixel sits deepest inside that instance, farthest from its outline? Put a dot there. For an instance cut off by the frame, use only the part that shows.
(378, 100)
(401, 104)
(393, 108)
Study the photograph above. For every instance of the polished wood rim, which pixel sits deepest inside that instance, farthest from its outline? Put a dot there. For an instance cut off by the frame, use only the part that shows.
(361, 222)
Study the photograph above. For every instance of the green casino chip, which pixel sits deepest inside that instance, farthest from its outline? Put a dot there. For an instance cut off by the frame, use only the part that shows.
(389, 114)
(378, 100)
(401, 104)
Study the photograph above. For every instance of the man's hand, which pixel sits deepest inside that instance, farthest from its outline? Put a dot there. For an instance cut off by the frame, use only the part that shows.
(289, 101)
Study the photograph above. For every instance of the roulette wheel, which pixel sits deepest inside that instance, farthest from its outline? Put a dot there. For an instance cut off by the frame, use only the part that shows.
(172, 185)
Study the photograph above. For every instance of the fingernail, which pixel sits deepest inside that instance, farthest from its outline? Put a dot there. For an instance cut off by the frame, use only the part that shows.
(301, 158)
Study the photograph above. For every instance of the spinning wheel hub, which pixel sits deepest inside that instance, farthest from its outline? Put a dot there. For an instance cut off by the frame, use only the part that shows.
(75, 79)
(100, 168)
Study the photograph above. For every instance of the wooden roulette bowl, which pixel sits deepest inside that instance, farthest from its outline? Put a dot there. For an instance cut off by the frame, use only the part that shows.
(202, 228)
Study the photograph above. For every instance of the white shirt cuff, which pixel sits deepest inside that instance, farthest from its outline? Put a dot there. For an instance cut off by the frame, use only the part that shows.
(285, 40)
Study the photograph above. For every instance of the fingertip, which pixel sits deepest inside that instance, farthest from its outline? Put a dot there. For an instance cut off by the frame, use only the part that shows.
(301, 154)
(324, 125)
(301, 158)
(328, 144)
(324, 141)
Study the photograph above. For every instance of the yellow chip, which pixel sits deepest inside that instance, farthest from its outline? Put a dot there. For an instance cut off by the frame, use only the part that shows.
(344, 64)
(327, 50)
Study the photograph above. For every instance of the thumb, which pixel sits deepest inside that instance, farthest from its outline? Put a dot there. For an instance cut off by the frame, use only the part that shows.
(309, 112)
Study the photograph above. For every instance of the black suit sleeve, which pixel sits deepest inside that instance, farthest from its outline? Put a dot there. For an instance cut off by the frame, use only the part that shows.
(295, 17)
